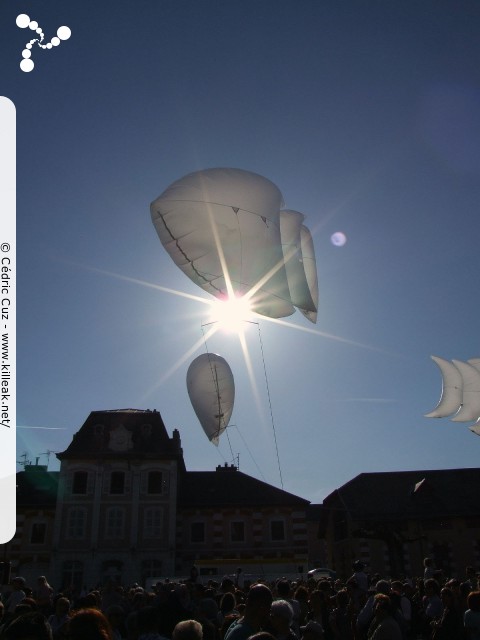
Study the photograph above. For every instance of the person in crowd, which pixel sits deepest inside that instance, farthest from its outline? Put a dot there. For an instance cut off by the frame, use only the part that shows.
(281, 619)
(262, 635)
(471, 619)
(228, 604)
(58, 620)
(206, 613)
(43, 595)
(284, 592)
(116, 616)
(404, 607)
(227, 585)
(29, 626)
(319, 611)
(432, 605)
(367, 614)
(187, 630)
(110, 595)
(89, 624)
(471, 578)
(384, 626)
(301, 596)
(450, 625)
(428, 569)
(317, 604)
(148, 624)
(312, 631)
(256, 614)
(228, 621)
(16, 596)
(360, 577)
(342, 617)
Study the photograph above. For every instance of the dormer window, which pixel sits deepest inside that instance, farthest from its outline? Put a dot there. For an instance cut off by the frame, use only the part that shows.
(98, 430)
(146, 430)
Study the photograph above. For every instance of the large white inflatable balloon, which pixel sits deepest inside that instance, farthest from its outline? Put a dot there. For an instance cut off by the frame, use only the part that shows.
(460, 398)
(300, 265)
(223, 228)
(211, 390)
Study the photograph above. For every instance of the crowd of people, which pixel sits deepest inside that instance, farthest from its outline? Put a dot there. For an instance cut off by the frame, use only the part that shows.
(362, 607)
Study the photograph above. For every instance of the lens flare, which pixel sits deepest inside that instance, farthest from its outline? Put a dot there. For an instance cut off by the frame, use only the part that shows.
(338, 239)
(231, 314)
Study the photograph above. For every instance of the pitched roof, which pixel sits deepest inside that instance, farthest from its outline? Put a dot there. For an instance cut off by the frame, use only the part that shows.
(228, 487)
(125, 432)
(402, 494)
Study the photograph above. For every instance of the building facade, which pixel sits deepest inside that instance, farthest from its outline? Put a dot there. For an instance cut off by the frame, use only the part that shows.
(123, 507)
(392, 521)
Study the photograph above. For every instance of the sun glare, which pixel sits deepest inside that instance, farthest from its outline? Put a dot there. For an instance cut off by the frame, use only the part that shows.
(232, 314)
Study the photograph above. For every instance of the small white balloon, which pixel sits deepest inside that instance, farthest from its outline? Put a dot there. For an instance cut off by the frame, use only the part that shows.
(39, 30)
(26, 53)
(33, 25)
(338, 239)
(26, 65)
(64, 33)
(55, 41)
(28, 46)
(49, 45)
(23, 21)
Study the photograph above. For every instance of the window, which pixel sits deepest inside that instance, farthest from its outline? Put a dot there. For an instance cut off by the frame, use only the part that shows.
(155, 482)
(151, 568)
(153, 523)
(37, 534)
(76, 523)
(72, 574)
(115, 523)
(80, 480)
(277, 530)
(197, 532)
(117, 482)
(98, 430)
(237, 531)
(146, 430)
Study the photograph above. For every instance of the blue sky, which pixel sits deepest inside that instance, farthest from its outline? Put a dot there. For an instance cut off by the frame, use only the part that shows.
(366, 115)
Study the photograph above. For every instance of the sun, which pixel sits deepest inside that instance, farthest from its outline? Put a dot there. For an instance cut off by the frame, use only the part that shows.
(232, 314)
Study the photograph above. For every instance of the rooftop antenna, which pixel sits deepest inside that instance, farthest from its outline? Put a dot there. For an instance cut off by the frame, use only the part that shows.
(47, 453)
(23, 463)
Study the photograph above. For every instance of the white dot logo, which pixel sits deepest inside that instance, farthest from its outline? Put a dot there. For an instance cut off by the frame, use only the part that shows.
(24, 22)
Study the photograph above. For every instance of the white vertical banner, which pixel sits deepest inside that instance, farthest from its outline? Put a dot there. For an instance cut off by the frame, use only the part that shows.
(7, 319)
